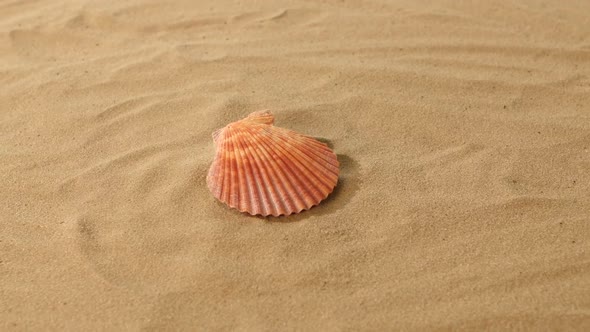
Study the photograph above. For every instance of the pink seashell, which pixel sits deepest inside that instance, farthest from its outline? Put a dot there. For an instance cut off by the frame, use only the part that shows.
(266, 170)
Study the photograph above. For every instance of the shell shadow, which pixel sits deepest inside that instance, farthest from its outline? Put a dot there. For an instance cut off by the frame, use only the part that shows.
(327, 142)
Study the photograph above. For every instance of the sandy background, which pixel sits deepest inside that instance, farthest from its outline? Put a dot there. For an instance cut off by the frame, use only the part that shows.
(463, 131)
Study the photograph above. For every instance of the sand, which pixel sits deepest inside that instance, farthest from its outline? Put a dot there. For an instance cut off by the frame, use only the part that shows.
(463, 133)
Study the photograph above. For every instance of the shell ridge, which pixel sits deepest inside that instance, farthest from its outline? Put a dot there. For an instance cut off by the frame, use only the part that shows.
(230, 170)
(303, 160)
(269, 163)
(234, 194)
(243, 195)
(293, 171)
(216, 135)
(310, 153)
(327, 154)
(325, 162)
(259, 179)
(286, 184)
(273, 198)
(247, 194)
(214, 176)
(261, 117)
(322, 167)
(225, 170)
(217, 179)
(256, 173)
(328, 171)
(235, 164)
(299, 171)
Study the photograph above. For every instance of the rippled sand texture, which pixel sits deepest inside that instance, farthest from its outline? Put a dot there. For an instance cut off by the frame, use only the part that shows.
(463, 133)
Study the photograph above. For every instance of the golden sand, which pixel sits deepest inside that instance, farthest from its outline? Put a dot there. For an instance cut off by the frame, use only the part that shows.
(462, 129)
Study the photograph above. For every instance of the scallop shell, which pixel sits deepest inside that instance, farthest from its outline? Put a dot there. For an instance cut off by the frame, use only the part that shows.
(266, 170)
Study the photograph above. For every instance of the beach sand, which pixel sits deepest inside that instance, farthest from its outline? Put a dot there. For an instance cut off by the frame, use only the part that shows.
(462, 130)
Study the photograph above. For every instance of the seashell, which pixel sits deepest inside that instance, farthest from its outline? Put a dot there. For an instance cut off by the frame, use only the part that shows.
(266, 170)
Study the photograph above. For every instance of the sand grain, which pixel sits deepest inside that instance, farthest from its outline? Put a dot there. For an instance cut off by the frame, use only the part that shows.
(463, 131)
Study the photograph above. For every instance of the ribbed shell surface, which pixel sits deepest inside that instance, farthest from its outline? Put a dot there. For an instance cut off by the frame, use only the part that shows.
(266, 170)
